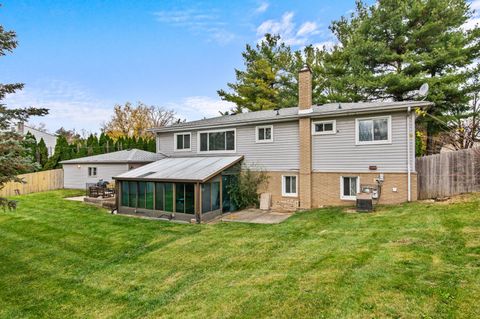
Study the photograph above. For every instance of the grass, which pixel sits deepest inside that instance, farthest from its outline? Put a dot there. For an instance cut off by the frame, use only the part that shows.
(62, 259)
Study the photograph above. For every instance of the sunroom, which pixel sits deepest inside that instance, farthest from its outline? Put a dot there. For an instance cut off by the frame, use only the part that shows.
(183, 188)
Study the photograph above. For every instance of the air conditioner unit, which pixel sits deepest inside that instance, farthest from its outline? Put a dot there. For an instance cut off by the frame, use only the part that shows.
(364, 202)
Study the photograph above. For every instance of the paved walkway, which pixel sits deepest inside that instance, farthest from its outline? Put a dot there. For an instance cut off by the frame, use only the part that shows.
(76, 199)
(256, 216)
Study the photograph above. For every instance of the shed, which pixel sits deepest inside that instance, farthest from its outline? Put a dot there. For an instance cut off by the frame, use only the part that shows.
(182, 188)
(81, 171)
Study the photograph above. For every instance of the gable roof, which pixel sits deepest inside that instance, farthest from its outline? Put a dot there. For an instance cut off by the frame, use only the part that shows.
(120, 157)
(191, 169)
(292, 113)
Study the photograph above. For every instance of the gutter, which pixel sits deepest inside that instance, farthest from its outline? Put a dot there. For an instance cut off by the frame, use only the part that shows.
(409, 169)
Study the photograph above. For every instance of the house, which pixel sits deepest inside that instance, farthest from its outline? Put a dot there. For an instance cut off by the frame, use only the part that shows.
(314, 155)
(49, 139)
(80, 171)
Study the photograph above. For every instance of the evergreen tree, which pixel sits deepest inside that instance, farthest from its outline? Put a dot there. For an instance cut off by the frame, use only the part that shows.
(269, 79)
(42, 153)
(389, 49)
(30, 144)
(61, 153)
(152, 146)
(14, 158)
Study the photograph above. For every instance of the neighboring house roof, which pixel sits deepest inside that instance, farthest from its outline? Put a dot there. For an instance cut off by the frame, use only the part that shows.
(292, 113)
(120, 157)
(192, 169)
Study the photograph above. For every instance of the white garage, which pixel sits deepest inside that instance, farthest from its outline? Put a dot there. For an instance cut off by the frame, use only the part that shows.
(80, 171)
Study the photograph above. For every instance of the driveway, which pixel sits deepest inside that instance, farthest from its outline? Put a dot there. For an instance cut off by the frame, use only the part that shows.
(256, 216)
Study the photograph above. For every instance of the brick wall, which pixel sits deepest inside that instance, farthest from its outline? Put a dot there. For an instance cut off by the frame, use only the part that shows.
(326, 188)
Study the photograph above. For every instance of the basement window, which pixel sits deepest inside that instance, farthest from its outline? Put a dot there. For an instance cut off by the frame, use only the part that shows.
(289, 185)
(349, 186)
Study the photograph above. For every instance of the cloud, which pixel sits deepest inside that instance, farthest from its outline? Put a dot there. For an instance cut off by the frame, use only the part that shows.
(262, 7)
(70, 106)
(198, 107)
(308, 28)
(475, 19)
(204, 22)
(288, 31)
(327, 45)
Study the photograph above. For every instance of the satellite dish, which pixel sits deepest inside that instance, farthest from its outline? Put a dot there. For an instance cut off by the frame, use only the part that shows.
(423, 91)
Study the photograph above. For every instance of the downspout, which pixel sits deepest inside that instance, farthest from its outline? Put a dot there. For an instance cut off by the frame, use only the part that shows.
(409, 169)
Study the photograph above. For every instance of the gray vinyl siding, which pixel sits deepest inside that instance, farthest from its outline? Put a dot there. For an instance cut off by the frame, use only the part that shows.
(77, 177)
(339, 152)
(281, 155)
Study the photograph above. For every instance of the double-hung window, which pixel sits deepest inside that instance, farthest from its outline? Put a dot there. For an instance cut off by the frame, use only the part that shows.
(349, 186)
(375, 130)
(324, 127)
(289, 185)
(182, 142)
(92, 171)
(220, 141)
(264, 134)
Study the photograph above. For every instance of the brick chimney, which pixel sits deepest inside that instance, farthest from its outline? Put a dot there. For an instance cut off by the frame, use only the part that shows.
(20, 128)
(305, 90)
(305, 135)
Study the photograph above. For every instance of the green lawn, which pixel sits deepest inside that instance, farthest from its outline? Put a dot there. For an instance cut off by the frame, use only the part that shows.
(62, 259)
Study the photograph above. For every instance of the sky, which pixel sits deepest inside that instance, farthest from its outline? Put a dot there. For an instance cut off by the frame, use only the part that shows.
(80, 58)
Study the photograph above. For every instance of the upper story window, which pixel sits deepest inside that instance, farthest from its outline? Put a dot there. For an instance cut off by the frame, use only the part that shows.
(182, 141)
(264, 134)
(324, 127)
(92, 171)
(220, 141)
(375, 130)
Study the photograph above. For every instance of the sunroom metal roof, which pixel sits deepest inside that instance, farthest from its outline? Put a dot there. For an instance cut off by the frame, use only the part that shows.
(191, 169)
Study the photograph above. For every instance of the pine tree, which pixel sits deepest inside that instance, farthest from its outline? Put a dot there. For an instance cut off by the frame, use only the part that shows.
(14, 158)
(30, 144)
(389, 49)
(62, 152)
(269, 79)
(42, 153)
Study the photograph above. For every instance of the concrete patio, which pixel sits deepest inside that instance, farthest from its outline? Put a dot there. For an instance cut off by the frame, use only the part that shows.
(256, 216)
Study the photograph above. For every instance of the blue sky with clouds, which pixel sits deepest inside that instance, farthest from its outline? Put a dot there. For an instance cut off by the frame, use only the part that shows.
(79, 58)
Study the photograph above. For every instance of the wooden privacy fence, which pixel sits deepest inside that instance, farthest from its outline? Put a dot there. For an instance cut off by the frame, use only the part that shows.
(35, 182)
(448, 173)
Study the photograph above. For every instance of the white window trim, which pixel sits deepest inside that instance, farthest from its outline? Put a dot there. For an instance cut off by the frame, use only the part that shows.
(175, 148)
(333, 131)
(90, 169)
(215, 131)
(257, 140)
(343, 197)
(357, 135)
(296, 186)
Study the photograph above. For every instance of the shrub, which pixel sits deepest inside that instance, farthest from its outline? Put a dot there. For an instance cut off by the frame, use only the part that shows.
(243, 190)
